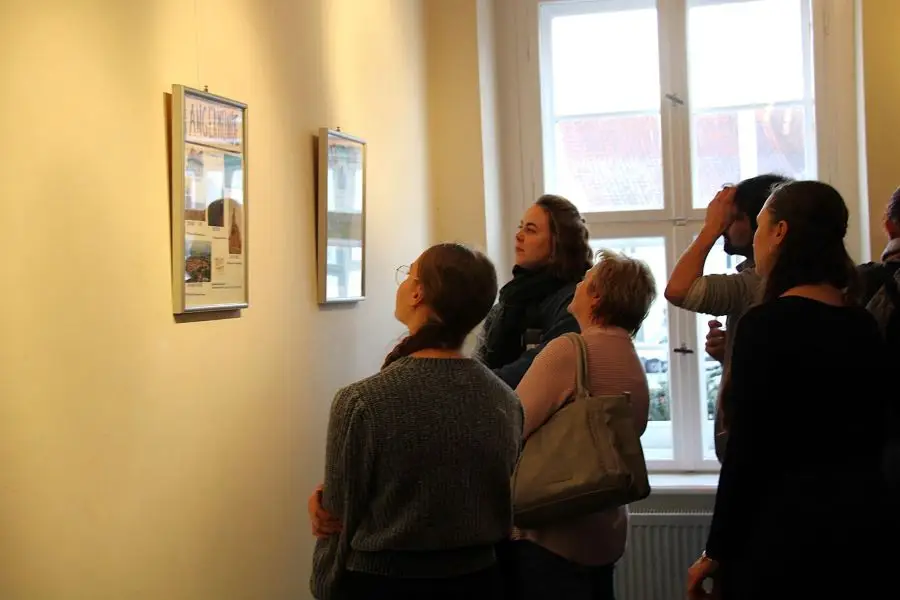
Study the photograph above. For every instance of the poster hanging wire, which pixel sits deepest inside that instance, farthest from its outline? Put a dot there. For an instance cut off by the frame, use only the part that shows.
(197, 43)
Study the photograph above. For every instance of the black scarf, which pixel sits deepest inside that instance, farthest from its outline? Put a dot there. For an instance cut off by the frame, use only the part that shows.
(518, 305)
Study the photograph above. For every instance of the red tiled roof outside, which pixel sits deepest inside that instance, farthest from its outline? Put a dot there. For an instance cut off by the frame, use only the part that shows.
(614, 163)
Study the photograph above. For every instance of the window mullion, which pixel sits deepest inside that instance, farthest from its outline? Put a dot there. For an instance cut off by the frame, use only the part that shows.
(677, 181)
(674, 105)
(548, 132)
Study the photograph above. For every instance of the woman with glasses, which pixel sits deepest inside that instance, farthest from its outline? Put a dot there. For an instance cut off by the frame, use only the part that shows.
(419, 456)
(552, 256)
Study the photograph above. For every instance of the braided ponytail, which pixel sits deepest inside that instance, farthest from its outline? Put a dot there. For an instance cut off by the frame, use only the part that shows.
(433, 335)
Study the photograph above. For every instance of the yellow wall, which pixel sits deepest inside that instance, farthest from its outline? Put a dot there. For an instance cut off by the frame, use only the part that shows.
(454, 121)
(468, 187)
(140, 458)
(881, 60)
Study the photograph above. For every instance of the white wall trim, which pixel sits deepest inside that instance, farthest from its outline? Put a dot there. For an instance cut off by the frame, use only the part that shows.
(836, 51)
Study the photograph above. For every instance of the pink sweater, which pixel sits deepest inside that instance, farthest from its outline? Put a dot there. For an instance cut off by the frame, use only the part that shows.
(614, 368)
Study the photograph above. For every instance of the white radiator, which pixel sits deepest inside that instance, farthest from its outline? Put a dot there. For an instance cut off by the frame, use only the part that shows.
(661, 548)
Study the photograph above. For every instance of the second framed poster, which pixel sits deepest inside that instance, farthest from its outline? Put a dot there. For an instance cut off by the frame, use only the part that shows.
(209, 202)
(341, 212)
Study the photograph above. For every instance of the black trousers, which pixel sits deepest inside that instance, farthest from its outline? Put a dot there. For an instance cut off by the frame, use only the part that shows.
(483, 585)
(532, 572)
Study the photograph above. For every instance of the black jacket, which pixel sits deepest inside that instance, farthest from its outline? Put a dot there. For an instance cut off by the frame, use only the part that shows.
(551, 316)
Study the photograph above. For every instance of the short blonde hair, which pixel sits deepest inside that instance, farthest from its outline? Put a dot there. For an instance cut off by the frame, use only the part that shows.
(626, 290)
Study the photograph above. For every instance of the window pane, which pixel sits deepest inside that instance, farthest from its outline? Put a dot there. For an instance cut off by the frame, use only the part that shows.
(606, 151)
(652, 344)
(710, 369)
(589, 75)
(735, 144)
(610, 163)
(751, 102)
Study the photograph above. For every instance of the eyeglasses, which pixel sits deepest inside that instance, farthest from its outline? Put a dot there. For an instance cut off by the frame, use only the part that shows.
(401, 274)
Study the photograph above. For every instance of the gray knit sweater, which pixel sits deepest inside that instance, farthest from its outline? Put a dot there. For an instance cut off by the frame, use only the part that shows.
(418, 467)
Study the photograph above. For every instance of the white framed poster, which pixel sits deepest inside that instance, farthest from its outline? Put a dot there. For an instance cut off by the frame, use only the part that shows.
(341, 218)
(209, 202)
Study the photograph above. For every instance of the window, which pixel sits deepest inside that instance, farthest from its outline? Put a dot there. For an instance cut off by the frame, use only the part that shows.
(604, 115)
(752, 107)
(645, 108)
(652, 344)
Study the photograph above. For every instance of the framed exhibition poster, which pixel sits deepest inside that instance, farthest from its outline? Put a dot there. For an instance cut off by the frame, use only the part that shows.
(341, 218)
(209, 202)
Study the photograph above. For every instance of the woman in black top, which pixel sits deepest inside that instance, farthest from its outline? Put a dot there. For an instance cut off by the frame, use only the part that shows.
(800, 510)
(552, 256)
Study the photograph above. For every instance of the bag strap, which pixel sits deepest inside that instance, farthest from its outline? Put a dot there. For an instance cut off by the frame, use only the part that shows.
(582, 373)
(582, 378)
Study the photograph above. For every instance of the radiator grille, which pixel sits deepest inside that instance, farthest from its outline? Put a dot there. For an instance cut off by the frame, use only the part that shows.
(661, 547)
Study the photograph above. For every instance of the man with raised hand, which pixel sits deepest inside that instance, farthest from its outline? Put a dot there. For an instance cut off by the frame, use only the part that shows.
(731, 215)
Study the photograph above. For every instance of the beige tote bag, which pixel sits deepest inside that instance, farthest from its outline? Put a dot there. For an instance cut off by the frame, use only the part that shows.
(586, 458)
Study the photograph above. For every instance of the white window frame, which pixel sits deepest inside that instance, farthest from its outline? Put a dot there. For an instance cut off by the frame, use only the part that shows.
(834, 48)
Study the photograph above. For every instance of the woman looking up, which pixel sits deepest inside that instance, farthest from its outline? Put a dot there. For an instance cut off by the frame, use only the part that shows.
(419, 456)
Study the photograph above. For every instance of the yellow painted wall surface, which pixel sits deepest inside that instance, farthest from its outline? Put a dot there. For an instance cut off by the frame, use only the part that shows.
(140, 458)
(455, 121)
(881, 60)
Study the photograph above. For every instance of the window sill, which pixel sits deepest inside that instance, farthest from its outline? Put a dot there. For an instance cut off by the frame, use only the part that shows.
(684, 483)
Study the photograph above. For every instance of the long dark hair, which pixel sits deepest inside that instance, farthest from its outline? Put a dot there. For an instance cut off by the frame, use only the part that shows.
(812, 251)
(459, 286)
(570, 253)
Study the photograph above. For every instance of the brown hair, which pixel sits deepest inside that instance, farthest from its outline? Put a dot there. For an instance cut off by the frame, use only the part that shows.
(459, 286)
(813, 249)
(570, 252)
(626, 288)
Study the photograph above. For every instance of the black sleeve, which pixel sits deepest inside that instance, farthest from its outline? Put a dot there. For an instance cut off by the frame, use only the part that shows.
(748, 456)
(563, 323)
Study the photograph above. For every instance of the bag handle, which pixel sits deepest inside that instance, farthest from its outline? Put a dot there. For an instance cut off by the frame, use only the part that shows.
(582, 378)
(582, 374)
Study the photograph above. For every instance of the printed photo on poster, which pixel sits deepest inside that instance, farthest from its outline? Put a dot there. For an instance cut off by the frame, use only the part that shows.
(197, 262)
(234, 191)
(345, 184)
(209, 224)
(341, 217)
(235, 237)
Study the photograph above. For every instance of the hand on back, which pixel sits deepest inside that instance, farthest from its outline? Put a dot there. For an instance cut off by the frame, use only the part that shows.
(322, 522)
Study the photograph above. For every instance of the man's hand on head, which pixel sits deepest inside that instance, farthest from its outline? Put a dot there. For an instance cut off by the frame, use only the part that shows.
(720, 213)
